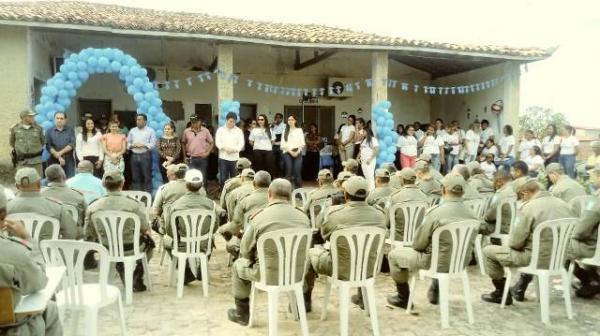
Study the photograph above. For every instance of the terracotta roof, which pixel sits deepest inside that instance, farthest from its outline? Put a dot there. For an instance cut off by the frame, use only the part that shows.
(157, 21)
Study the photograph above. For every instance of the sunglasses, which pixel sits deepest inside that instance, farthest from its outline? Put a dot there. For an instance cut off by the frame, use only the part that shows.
(261, 119)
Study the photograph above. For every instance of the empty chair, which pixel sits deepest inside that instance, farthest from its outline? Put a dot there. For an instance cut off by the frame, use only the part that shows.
(291, 246)
(511, 206)
(302, 194)
(192, 232)
(365, 245)
(462, 234)
(413, 213)
(76, 295)
(315, 210)
(141, 196)
(110, 227)
(72, 210)
(561, 230)
(579, 204)
(38, 226)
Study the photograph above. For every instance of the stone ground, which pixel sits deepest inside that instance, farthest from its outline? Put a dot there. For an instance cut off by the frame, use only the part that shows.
(160, 313)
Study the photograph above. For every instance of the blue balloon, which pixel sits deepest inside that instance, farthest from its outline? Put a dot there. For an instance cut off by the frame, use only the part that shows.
(131, 61)
(73, 75)
(144, 105)
(58, 83)
(103, 61)
(115, 66)
(46, 124)
(77, 84)
(380, 121)
(391, 150)
(124, 70)
(138, 97)
(389, 115)
(81, 65)
(159, 133)
(39, 119)
(83, 76)
(148, 88)
(388, 140)
(63, 94)
(69, 84)
(44, 99)
(138, 82)
(49, 115)
(154, 125)
(157, 102)
(92, 62)
(51, 91)
(152, 110)
(132, 90)
(66, 102)
(391, 158)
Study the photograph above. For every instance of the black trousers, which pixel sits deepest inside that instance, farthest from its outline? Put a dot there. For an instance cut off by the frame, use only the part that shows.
(264, 160)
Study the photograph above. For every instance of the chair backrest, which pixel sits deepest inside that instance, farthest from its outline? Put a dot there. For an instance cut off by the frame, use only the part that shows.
(579, 203)
(35, 222)
(71, 254)
(314, 210)
(300, 193)
(199, 225)
(413, 213)
(360, 242)
(72, 210)
(461, 235)
(113, 223)
(477, 206)
(561, 230)
(434, 199)
(291, 248)
(141, 196)
(509, 204)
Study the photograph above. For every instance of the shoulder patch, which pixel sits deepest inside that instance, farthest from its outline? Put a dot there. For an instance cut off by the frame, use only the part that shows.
(255, 213)
(19, 241)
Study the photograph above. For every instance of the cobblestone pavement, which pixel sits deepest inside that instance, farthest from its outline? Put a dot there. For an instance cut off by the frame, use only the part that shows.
(160, 313)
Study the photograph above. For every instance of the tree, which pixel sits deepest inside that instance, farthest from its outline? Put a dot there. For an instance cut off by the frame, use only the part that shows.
(537, 119)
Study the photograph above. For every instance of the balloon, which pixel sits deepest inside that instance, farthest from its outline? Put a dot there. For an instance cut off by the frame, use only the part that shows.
(388, 115)
(131, 61)
(124, 70)
(51, 91)
(77, 84)
(157, 102)
(66, 102)
(144, 105)
(83, 75)
(138, 82)
(154, 125)
(152, 110)
(148, 88)
(92, 62)
(58, 83)
(159, 133)
(391, 158)
(115, 66)
(69, 85)
(388, 140)
(39, 119)
(103, 61)
(138, 97)
(391, 150)
(72, 76)
(380, 121)
(46, 124)
(131, 90)
(63, 93)
(49, 115)
(81, 65)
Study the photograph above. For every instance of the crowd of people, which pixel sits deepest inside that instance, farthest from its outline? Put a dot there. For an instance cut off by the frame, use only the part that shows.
(435, 161)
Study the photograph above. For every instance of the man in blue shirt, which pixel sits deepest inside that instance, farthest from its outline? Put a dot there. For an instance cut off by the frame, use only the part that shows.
(141, 140)
(86, 183)
(60, 143)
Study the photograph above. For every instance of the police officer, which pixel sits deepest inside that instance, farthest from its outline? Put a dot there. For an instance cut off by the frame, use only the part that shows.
(234, 182)
(563, 186)
(29, 199)
(22, 275)
(538, 207)
(57, 189)
(408, 193)
(470, 193)
(355, 213)
(279, 214)
(382, 190)
(404, 260)
(394, 179)
(434, 173)
(504, 191)
(351, 166)
(325, 189)
(173, 190)
(114, 200)
(27, 140)
(425, 181)
(242, 191)
(342, 177)
(478, 180)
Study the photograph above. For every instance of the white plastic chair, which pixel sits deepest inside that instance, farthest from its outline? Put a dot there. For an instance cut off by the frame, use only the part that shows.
(579, 203)
(477, 206)
(34, 223)
(462, 234)
(511, 203)
(72, 210)
(301, 193)
(593, 261)
(194, 222)
(360, 242)
(561, 230)
(413, 213)
(113, 223)
(141, 196)
(77, 295)
(314, 211)
(292, 254)
(434, 199)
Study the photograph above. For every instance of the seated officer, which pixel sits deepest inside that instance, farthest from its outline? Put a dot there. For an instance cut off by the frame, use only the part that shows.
(538, 207)
(116, 201)
(382, 190)
(341, 178)
(234, 182)
(172, 191)
(156, 203)
(434, 173)
(22, 275)
(519, 170)
(394, 179)
(504, 190)
(355, 213)
(325, 189)
(57, 189)
(470, 193)
(563, 186)
(478, 180)
(350, 166)
(405, 260)
(408, 193)
(234, 197)
(425, 181)
(279, 214)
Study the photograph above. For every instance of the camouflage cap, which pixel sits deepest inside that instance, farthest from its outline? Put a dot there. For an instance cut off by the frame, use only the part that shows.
(407, 174)
(243, 163)
(325, 174)
(421, 165)
(471, 166)
(381, 172)
(113, 176)
(248, 172)
(27, 112)
(27, 175)
(554, 168)
(350, 164)
(356, 186)
(454, 183)
(425, 157)
(344, 176)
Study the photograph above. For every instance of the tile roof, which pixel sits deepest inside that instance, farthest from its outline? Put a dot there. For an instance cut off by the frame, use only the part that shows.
(217, 27)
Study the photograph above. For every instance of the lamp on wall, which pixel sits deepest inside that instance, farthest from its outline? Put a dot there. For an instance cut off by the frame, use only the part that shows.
(359, 111)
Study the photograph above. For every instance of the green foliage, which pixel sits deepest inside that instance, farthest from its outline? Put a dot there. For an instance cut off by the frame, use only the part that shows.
(537, 119)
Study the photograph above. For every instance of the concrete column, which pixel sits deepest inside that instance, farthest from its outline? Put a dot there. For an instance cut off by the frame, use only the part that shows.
(225, 64)
(15, 88)
(510, 114)
(379, 76)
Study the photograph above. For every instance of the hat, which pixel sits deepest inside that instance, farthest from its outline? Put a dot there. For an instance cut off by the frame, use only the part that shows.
(325, 174)
(181, 167)
(243, 163)
(407, 174)
(248, 172)
(27, 175)
(356, 186)
(27, 112)
(425, 157)
(554, 168)
(472, 166)
(595, 144)
(421, 165)
(520, 182)
(193, 117)
(193, 176)
(381, 172)
(454, 183)
(113, 176)
(350, 164)
(344, 176)
(595, 170)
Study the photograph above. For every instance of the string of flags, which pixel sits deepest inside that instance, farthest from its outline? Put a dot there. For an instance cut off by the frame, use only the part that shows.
(334, 90)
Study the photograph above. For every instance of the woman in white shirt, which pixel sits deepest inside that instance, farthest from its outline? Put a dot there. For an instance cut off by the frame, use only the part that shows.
(569, 147)
(551, 145)
(488, 166)
(526, 144)
(452, 139)
(261, 138)
(347, 139)
(359, 135)
(472, 139)
(88, 146)
(506, 156)
(369, 148)
(407, 144)
(490, 148)
(292, 144)
(535, 161)
(434, 146)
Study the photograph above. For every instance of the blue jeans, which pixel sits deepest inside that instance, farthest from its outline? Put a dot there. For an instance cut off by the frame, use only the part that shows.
(470, 158)
(201, 164)
(451, 161)
(568, 163)
(293, 169)
(435, 161)
(141, 172)
(226, 170)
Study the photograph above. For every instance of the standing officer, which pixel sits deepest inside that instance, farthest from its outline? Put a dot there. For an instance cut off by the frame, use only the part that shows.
(242, 191)
(382, 190)
(27, 140)
(563, 186)
(57, 189)
(279, 214)
(325, 189)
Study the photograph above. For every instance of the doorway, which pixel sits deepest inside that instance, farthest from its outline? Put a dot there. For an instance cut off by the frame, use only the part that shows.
(248, 111)
(323, 116)
(98, 108)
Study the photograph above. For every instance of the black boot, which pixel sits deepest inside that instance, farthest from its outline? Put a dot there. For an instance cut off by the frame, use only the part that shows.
(357, 299)
(518, 290)
(90, 262)
(120, 271)
(433, 294)
(496, 295)
(400, 300)
(189, 276)
(590, 285)
(308, 301)
(241, 313)
(138, 278)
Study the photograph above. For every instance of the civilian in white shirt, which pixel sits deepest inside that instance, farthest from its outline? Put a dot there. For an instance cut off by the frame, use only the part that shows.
(535, 161)
(292, 144)
(359, 135)
(440, 130)
(506, 156)
(488, 166)
(526, 144)
(453, 140)
(489, 148)
(407, 145)
(88, 146)
(367, 154)
(551, 145)
(486, 131)
(472, 139)
(347, 139)
(433, 146)
(419, 134)
(261, 138)
(229, 139)
(569, 147)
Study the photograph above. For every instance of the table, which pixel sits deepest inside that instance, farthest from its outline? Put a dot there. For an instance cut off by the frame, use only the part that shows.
(326, 161)
(37, 302)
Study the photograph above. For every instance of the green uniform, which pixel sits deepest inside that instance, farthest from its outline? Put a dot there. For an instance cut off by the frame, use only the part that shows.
(435, 174)
(171, 193)
(506, 192)
(68, 196)
(566, 188)
(541, 208)
(23, 275)
(481, 183)
(28, 143)
(470, 193)
(236, 195)
(430, 186)
(350, 215)
(395, 181)
(32, 201)
(190, 200)
(252, 202)
(408, 193)
(585, 235)
(319, 194)
(277, 215)
(404, 260)
(379, 195)
(229, 186)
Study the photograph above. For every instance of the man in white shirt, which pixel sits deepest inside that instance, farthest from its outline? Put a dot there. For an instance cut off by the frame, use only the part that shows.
(277, 129)
(141, 140)
(486, 131)
(347, 138)
(527, 143)
(230, 141)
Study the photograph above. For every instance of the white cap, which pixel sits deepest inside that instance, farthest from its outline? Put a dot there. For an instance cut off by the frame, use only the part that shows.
(193, 176)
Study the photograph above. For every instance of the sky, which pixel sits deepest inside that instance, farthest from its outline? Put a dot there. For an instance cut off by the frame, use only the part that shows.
(566, 82)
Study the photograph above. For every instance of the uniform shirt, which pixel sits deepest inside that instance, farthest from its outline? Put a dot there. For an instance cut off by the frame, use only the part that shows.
(261, 139)
(247, 206)
(470, 193)
(367, 149)
(69, 196)
(586, 229)
(145, 136)
(91, 147)
(506, 143)
(432, 145)
(320, 194)
(89, 185)
(486, 134)
(27, 140)
(379, 194)
(548, 144)
(196, 143)
(189, 200)
(525, 146)
(58, 139)
(236, 195)
(407, 145)
(169, 194)
(481, 183)
(231, 138)
(408, 193)
(568, 146)
(345, 132)
(228, 187)
(472, 142)
(278, 130)
(504, 193)
(295, 140)
(429, 186)
(566, 188)
(489, 169)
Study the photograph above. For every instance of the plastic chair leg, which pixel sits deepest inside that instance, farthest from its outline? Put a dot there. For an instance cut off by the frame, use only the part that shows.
(162, 249)
(444, 293)
(370, 289)
(180, 275)
(467, 294)
(479, 253)
(252, 306)
(365, 297)
(273, 310)
(129, 266)
(301, 310)
(544, 297)
(204, 272)
(91, 321)
(121, 316)
(325, 300)
(344, 303)
(566, 282)
(508, 274)
(293, 304)
(411, 295)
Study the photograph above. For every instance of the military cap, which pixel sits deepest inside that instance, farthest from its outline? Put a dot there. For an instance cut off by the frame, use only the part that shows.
(454, 183)
(243, 163)
(27, 175)
(182, 167)
(356, 186)
(595, 170)
(381, 172)
(248, 172)
(351, 164)
(113, 176)
(425, 157)
(325, 174)
(421, 165)
(471, 166)
(520, 182)
(407, 174)
(344, 176)
(193, 176)
(554, 168)
(27, 112)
